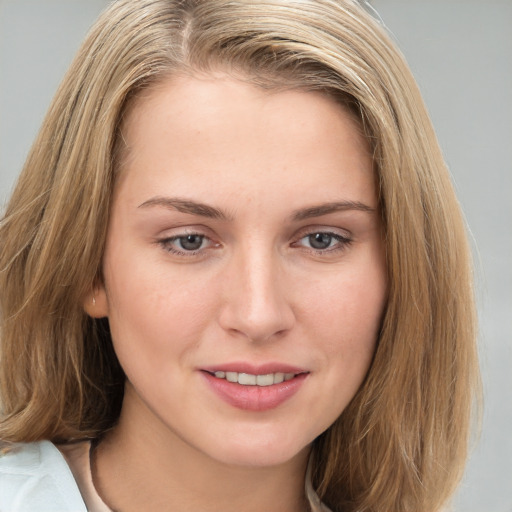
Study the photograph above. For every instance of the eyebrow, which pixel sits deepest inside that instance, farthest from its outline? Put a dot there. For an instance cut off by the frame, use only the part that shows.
(326, 208)
(204, 210)
(186, 206)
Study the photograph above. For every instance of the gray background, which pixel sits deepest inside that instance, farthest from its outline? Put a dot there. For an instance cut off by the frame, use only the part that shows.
(461, 54)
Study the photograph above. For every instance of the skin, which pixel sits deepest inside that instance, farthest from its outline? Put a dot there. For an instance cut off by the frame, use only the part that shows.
(255, 291)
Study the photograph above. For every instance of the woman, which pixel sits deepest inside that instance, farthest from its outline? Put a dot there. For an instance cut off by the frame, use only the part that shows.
(234, 263)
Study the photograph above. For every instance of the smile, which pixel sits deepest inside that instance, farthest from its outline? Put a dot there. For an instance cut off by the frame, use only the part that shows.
(259, 391)
(248, 379)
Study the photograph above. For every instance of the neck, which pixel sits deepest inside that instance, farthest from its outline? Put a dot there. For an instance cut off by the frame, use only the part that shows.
(142, 468)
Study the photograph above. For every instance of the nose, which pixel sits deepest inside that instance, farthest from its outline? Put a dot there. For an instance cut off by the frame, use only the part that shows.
(256, 302)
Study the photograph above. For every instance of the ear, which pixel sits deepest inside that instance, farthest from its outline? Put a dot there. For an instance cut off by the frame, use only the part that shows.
(95, 302)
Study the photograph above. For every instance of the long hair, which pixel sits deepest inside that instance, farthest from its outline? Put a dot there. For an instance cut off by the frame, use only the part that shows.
(401, 443)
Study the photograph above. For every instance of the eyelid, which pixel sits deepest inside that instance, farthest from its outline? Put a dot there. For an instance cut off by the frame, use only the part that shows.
(343, 237)
(165, 241)
(331, 230)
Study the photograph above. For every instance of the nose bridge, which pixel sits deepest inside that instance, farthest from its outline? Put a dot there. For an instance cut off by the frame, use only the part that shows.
(257, 304)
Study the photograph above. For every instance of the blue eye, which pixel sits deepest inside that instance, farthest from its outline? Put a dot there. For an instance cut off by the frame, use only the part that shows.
(324, 241)
(320, 240)
(187, 244)
(190, 242)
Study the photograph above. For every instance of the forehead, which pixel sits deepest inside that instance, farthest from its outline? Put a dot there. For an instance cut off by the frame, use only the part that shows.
(203, 129)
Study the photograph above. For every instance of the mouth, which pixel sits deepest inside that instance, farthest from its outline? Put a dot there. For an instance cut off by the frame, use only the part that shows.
(249, 379)
(255, 388)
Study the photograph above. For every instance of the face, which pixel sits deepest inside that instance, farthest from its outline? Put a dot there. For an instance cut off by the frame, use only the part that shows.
(244, 276)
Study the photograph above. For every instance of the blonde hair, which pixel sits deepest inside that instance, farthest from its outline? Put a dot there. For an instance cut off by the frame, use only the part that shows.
(401, 443)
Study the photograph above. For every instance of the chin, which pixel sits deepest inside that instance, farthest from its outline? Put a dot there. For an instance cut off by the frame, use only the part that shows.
(268, 452)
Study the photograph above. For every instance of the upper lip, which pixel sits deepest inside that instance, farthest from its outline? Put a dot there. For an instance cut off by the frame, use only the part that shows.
(254, 369)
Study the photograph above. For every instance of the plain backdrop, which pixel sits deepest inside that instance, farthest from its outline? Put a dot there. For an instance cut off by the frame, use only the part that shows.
(461, 54)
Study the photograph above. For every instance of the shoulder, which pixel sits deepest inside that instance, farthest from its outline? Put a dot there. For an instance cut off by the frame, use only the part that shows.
(35, 476)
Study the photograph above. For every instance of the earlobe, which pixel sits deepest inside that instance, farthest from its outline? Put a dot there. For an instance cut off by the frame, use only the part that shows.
(95, 302)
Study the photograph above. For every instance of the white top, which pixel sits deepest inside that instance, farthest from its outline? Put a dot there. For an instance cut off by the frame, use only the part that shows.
(41, 477)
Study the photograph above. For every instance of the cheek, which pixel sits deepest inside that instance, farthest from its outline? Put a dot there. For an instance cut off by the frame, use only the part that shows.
(347, 321)
(154, 307)
(351, 307)
(344, 324)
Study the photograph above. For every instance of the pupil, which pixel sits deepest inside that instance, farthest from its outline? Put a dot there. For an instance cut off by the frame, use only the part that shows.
(191, 242)
(320, 240)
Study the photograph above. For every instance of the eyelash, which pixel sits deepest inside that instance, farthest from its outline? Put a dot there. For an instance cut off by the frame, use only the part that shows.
(342, 243)
(166, 244)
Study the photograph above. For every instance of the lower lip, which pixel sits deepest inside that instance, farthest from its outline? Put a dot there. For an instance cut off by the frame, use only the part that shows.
(255, 398)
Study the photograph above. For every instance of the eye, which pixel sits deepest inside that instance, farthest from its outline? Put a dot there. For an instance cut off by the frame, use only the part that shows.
(320, 240)
(187, 244)
(190, 242)
(324, 241)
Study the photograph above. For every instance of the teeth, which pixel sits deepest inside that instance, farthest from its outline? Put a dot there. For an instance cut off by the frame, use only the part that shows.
(265, 380)
(247, 379)
(278, 378)
(232, 376)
